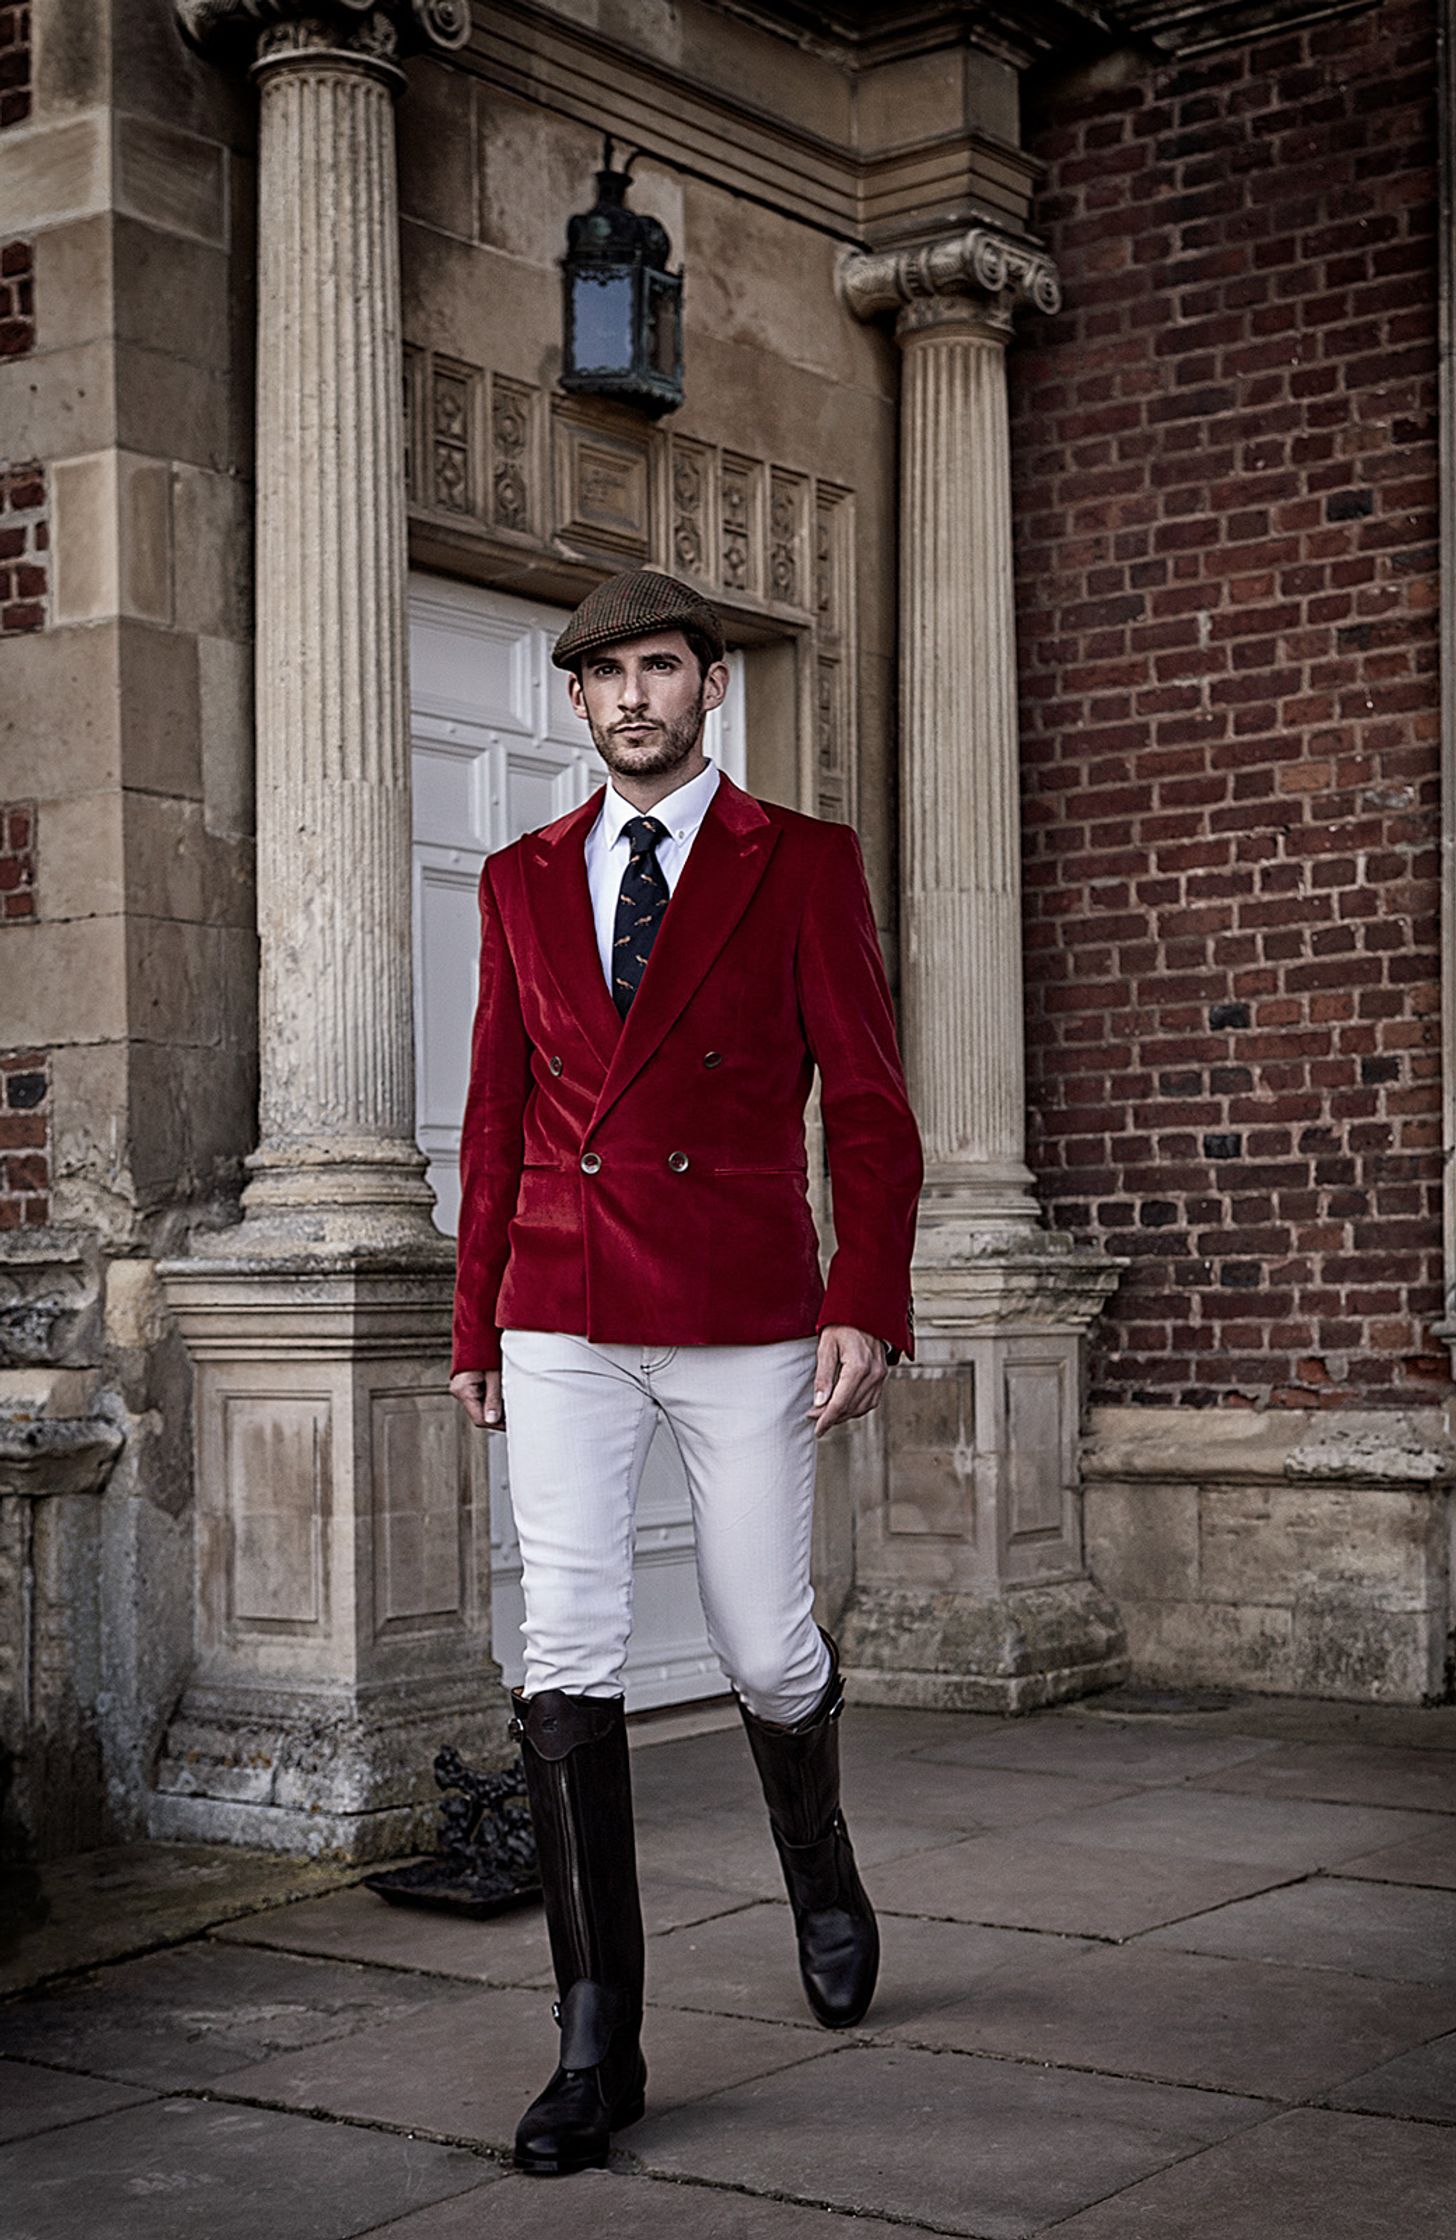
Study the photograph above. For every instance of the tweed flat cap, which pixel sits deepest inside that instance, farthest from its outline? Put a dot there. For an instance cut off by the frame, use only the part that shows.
(633, 606)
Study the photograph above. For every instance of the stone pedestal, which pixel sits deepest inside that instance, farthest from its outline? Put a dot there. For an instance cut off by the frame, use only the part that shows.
(970, 1585)
(343, 1607)
(343, 1561)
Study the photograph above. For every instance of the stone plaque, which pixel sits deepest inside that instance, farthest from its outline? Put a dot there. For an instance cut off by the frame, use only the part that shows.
(603, 485)
(421, 1512)
(277, 1476)
(1039, 1467)
(929, 1447)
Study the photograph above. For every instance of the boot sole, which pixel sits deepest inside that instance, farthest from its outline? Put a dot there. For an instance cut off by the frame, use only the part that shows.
(564, 2166)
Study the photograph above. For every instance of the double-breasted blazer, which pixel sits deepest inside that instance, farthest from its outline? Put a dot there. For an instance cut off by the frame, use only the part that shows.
(646, 1180)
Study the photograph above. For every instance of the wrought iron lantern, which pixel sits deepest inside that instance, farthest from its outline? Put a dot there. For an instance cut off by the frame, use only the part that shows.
(623, 306)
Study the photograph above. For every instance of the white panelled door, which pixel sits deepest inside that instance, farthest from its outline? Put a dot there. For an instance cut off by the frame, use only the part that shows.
(497, 751)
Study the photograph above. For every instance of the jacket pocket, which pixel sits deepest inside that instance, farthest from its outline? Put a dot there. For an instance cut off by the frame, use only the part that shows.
(761, 1170)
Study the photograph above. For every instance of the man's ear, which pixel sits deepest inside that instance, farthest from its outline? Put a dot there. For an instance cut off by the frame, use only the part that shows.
(715, 685)
(575, 694)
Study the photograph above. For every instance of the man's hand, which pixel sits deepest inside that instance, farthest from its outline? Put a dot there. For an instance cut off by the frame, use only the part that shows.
(479, 1394)
(848, 1375)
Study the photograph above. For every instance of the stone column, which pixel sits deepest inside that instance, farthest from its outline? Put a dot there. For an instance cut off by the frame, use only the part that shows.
(343, 1544)
(970, 1586)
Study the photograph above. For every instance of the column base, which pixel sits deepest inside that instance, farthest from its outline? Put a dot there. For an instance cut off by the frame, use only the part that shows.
(971, 1590)
(343, 1555)
(1014, 1651)
(336, 1776)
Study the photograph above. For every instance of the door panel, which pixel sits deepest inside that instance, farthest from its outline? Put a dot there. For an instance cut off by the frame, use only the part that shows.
(497, 751)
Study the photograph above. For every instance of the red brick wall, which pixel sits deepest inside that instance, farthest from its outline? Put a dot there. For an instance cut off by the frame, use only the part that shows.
(1225, 489)
(24, 541)
(25, 1173)
(17, 861)
(14, 64)
(17, 299)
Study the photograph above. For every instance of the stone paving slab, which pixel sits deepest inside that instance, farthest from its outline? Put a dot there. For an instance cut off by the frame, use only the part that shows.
(1396, 1726)
(726, 1849)
(191, 2170)
(1345, 1773)
(1307, 2175)
(181, 2018)
(1420, 2084)
(1429, 1859)
(1188, 2018)
(1357, 1928)
(899, 1792)
(34, 2100)
(746, 1964)
(134, 1897)
(1030, 1880)
(467, 2071)
(508, 1948)
(1286, 1835)
(1130, 1752)
(987, 2148)
(608, 2205)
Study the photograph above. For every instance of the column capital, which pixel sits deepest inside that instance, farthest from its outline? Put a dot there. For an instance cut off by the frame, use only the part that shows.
(371, 33)
(979, 278)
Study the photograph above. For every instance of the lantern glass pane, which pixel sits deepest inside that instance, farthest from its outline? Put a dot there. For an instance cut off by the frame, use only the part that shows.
(662, 327)
(601, 304)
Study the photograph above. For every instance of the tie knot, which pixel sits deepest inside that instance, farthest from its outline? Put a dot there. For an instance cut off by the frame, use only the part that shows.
(644, 832)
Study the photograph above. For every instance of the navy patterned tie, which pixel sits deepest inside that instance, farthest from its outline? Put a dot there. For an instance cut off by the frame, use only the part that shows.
(640, 904)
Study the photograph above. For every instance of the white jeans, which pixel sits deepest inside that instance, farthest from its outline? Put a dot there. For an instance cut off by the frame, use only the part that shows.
(579, 1418)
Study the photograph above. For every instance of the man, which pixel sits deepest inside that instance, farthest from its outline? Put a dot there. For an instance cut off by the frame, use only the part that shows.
(661, 972)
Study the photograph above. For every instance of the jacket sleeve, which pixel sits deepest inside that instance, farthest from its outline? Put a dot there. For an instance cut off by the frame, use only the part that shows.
(875, 1160)
(491, 1139)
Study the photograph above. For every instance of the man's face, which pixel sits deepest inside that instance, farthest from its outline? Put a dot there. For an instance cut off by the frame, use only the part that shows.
(645, 702)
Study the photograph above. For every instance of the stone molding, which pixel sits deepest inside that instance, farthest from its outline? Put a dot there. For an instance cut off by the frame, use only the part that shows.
(1407, 1447)
(982, 272)
(370, 33)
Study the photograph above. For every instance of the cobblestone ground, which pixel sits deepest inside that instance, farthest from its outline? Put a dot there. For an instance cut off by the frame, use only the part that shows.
(1185, 1971)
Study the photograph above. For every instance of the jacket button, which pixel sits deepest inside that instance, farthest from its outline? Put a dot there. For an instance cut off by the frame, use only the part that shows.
(678, 1161)
(591, 1162)
(554, 1064)
(712, 1057)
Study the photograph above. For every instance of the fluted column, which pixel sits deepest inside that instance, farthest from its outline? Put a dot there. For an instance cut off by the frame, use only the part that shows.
(341, 1517)
(970, 1588)
(336, 1049)
(962, 884)
(961, 851)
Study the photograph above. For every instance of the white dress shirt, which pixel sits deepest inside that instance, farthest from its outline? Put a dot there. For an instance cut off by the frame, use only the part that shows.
(607, 847)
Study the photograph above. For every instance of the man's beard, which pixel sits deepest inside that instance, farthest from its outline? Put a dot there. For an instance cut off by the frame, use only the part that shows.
(661, 750)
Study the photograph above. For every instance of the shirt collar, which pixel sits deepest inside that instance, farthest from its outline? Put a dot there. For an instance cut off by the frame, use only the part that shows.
(682, 810)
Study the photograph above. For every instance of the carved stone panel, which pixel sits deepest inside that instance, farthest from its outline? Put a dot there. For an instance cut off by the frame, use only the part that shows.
(421, 1512)
(603, 487)
(930, 1447)
(788, 505)
(1040, 1483)
(277, 1476)
(453, 408)
(512, 448)
(694, 549)
(740, 501)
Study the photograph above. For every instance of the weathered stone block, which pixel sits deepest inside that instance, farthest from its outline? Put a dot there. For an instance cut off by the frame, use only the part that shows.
(1143, 1536)
(170, 179)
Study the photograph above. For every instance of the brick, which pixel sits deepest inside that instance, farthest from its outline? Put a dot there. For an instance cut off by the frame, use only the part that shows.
(1263, 366)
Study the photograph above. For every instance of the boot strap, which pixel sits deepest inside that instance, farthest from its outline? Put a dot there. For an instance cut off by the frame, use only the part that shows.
(588, 2015)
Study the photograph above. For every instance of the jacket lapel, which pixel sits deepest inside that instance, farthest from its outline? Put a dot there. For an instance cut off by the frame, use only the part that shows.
(725, 863)
(565, 933)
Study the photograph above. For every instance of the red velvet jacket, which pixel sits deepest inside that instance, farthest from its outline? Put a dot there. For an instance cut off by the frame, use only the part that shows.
(647, 1181)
